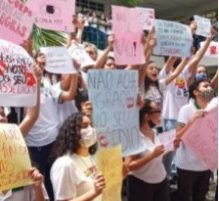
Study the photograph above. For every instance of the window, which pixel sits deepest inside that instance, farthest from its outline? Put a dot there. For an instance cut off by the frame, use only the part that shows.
(90, 5)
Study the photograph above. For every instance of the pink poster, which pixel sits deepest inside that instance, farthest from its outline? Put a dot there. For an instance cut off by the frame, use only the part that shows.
(202, 139)
(16, 21)
(54, 15)
(128, 31)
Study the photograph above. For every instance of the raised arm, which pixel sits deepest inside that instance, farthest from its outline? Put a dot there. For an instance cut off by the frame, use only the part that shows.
(214, 81)
(169, 64)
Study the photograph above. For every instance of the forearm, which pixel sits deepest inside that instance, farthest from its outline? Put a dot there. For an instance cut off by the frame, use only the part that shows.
(79, 35)
(169, 64)
(102, 58)
(39, 193)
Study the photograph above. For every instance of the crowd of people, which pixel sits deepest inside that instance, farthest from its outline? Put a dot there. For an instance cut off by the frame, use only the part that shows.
(62, 141)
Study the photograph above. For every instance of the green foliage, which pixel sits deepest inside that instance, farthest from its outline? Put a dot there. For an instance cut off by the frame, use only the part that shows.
(130, 3)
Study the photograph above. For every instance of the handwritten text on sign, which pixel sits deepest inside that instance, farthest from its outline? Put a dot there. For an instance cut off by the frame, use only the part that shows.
(58, 60)
(128, 47)
(202, 138)
(173, 39)
(113, 95)
(203, 26)
(109, 162)
(54, 14)
(18, 85)
(16, 21)
(14, 158)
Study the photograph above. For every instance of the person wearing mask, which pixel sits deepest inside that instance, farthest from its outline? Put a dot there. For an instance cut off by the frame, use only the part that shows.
(74, 174)
(193, 174)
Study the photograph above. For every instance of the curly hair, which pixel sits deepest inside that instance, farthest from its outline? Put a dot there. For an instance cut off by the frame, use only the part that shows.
(68, 140)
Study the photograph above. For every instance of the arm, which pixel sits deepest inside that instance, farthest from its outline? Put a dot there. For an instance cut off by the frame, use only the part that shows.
(214, 81)
(80, 26)
(32, 112)
(169, 64)
(176, 72)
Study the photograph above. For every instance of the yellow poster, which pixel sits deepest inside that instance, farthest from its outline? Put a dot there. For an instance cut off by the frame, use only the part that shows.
(14, 158)
(109, 162)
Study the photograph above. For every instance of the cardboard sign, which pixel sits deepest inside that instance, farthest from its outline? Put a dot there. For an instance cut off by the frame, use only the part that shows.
(18, 85)
(173, 39)
(202, 139)
(109, 162)
(212, 50)
(113, 94)
(14, 158)
(203, 26)
(167, 139)
(58, 60)
(55, 15)
(16, 21)
(78, 53)
(128, 47)
(147, 16)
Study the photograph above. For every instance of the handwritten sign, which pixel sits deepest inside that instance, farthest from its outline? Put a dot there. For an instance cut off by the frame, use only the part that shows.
(58, 60)
(173, 39)
(55, 15)
(202, 138)
(167, 139)
(78, 53)
(110, 164)
(128, 47)
(14, 158)
(203, 26)
(18, 85)
(113, 94)
(16, 21)
(147, 16)
(212, 50)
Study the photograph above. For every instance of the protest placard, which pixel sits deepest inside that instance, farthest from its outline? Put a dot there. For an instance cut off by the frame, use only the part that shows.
(58, 60)
(147, 16)
(167, 138)
(212, 50)
(16, 21)
(54, 15)
(78, 53)
(18, 85)
(109, 162)
(202, 138)
(203, 26)
(113, 94)
(14, 158)
(173, 39)
(128, 33)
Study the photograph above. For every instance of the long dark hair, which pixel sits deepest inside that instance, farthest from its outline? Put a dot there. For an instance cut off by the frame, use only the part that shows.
(145, 110)
(68, 140)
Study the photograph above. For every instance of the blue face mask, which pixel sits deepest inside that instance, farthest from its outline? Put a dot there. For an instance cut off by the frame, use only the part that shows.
(200, 76)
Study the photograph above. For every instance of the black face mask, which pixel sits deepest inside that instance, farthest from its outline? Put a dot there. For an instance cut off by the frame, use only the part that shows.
(151, 124)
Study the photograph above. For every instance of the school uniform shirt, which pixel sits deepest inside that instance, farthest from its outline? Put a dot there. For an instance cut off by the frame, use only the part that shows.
(185, 157)
(25, 194)
(73, 176)
(212, 104)
(176, 95)
(153, 172)
(45, 129)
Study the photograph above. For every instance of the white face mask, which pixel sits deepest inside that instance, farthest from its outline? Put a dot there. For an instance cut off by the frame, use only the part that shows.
(88, 136)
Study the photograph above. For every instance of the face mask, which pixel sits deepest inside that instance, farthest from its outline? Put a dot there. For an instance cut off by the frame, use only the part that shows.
(88, 136)
(151, 124)
(200, 76)
(208, 94)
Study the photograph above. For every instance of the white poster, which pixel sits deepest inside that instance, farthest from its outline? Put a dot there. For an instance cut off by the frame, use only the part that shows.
(203, 26)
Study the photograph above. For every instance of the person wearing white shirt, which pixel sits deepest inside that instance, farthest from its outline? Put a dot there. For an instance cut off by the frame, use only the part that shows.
(193, 174)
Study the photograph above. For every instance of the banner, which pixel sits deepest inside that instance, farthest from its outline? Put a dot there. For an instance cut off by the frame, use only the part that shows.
(113, 94)
(54, 15)
(203, 26)
(202, 138)
(18, 85)
(147, 16)
(16, 21)
(128, 33)
(14, 158)
(173, 39)
(109, 162)
(212, 50)
(78, 53)
(167, 139)
(58, 60)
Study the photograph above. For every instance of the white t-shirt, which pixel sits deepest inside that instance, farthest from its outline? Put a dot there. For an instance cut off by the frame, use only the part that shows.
(212, 104)
(185, 157)
(176, 95)
(26, 194)
(45, 129)
(154, 171)
(73, 176)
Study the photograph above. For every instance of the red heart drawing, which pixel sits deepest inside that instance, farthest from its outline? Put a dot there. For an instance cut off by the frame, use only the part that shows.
(30, 79)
